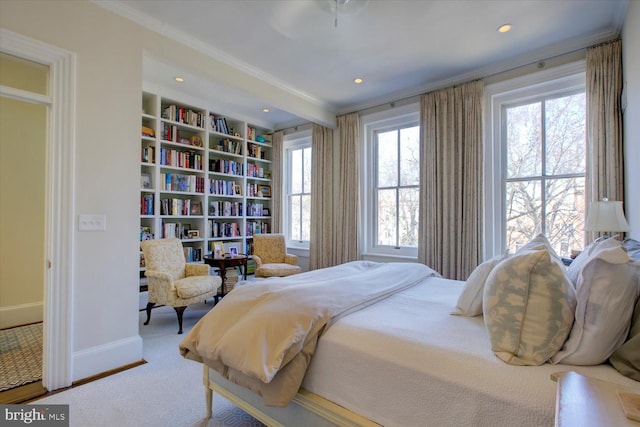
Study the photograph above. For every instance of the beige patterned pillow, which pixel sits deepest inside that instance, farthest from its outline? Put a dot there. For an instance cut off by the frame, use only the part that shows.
(528, 306)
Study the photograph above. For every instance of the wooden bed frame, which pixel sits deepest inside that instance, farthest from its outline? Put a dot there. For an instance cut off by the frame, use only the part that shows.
(306, 409)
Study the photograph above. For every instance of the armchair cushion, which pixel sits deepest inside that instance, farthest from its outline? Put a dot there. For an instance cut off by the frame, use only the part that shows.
(277, 270)
(291, 259)
(191, 287)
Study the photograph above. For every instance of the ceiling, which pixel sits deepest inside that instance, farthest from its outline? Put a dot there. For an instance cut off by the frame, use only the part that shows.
(400, 48)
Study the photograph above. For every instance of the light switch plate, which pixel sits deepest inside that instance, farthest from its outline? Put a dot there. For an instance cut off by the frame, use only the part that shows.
(92, 223)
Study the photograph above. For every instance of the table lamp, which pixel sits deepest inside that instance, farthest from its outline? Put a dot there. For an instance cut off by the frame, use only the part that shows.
(606, 216)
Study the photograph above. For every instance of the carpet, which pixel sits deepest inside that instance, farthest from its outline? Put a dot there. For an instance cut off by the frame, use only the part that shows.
(20, 356)
(166, 391)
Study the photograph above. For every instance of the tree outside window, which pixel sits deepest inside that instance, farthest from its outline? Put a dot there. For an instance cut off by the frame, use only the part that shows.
(299, 194)
(397, 186)
(545, 177)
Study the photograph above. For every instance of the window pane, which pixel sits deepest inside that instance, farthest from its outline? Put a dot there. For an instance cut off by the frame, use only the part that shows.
(387, 217)
(307, 170)
(410, 156)
(408, 213)
(565, 212)
(296, 171)
(524, 140)
(524, 213)
(565, 135)
(388, 159)
(294, 209)
(306, 218)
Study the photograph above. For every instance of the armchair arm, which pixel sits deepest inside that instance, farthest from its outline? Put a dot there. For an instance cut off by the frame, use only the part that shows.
(161, 287)
(291, 259)
(196, 270)
(257, 259)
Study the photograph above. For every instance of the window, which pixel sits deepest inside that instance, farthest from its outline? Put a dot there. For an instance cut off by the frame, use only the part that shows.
(298, 191)
(392, 186)
(536, 163)
(545, 182)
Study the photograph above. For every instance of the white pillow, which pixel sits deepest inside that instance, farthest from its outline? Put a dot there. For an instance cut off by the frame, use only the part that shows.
(607, 289)
(470, 299)
(537, 243)
(574, 270)
(528, 307)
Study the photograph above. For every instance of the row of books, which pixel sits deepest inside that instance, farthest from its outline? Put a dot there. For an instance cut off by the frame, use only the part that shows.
(181, 159)
(180, 207)
(146, 204)
(223, 229)
(226, 166)
(225, 208)
(148, 154)
(257, 227)
(192, 254)
(219, 124)
(255, 171)
(256, 151)
(255, 209)
(258, 190)
(224, 188)
(175, 229)
(179, 182)
(229, 146)
(183, 115)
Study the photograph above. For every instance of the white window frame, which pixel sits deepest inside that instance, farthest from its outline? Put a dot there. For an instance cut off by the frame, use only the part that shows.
(559, 80)
(408, 115)
(294, 141)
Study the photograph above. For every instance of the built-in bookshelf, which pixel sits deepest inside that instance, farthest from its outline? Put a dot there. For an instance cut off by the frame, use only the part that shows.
(204, 177)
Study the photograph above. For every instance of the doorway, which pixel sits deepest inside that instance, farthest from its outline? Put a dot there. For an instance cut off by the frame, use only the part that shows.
(57, 308)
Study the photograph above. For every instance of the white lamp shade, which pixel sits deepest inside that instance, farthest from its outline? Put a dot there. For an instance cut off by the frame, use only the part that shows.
(605, 216)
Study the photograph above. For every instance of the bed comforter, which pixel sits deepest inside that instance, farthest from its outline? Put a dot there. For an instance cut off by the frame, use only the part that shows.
(292, 313)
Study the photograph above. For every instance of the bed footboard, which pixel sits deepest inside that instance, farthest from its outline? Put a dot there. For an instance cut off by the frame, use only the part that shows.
(306, 409)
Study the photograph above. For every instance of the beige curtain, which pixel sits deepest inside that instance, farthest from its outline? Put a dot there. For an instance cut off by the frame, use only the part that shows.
(605, 161)
(347, 193)
(321, 244)
(277, 169)
(451, 180)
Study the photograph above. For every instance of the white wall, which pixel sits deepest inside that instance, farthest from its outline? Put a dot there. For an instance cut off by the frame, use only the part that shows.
(631, 71)
(110, 52)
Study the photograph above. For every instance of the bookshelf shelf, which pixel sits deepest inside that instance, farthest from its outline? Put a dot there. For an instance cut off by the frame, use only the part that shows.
(226, 160)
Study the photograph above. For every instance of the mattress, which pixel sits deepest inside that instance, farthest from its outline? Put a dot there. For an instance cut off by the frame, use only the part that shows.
(406, 361)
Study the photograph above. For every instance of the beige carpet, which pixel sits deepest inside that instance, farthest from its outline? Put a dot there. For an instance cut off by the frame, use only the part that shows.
(166, 391)
(20, 356)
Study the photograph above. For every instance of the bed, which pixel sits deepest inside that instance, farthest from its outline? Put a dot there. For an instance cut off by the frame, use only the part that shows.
(399, 360)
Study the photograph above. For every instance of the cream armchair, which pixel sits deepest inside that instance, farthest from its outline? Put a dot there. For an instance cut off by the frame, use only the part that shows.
(270, 255)
(173, 282)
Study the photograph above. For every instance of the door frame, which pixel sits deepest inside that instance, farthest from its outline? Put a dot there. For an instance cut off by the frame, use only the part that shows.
(59, 199)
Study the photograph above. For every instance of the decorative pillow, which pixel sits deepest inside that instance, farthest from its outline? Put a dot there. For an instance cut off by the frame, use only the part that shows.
(529, 306)
(607, 290)
(626, 359)
(574, 270)
(470, 299)
(633, 248)
(537, 243)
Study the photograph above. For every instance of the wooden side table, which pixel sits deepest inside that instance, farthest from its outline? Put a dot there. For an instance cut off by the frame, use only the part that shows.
(588, 402)
(222, 263)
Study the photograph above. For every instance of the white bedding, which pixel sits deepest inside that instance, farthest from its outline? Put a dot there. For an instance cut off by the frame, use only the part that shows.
(406, 361)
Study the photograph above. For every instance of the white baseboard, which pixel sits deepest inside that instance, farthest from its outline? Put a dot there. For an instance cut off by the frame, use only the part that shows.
(106, 357)
(22, 314)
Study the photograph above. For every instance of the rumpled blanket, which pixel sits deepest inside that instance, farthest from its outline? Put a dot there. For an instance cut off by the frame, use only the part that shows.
(262, 335)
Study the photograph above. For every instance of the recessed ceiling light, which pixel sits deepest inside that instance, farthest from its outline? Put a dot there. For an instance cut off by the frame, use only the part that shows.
(504, 28)
(357, 80)
(265, 110)
(179, 79)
